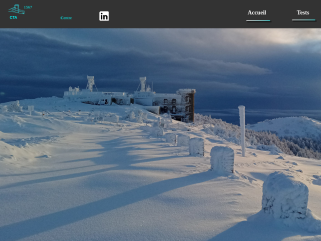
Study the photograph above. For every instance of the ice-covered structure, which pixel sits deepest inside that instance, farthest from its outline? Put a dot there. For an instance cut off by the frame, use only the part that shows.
(284, 197)
(157, 132)
(182, 140)
(171, 138)
(196, 146)
(222, 159)
(179, 105)
(89, 96)
(14, 107)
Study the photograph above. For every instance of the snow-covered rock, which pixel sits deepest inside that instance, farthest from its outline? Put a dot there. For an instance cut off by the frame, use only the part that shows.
(222, 159)
(196, 146)
(182, 140)
(171, 138)
(284, 196)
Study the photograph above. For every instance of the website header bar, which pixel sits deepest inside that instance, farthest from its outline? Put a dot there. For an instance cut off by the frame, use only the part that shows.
(159, 14)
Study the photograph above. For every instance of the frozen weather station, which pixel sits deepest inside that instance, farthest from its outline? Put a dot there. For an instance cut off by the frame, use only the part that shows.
(180, 105)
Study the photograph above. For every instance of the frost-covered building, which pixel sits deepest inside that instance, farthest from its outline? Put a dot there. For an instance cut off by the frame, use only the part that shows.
(89, 96)
(179, 105)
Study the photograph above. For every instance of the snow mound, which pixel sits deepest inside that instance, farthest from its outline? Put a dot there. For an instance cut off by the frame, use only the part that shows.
(196, 146)
(290, 126)
(222, 159)
(285, 197)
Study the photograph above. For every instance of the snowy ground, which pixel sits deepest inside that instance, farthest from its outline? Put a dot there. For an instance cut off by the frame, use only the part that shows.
(64, 177)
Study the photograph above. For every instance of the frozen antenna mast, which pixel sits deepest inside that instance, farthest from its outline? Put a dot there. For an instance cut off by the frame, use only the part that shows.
(91, 83)
(142, 84)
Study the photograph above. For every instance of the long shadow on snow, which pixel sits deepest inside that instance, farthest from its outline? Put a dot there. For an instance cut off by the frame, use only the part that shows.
(262, 227)
(109, 154)
(51, 221)
(36, 173)
(123, 162)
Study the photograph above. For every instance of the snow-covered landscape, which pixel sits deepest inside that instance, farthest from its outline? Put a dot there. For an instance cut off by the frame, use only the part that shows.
(73, 171)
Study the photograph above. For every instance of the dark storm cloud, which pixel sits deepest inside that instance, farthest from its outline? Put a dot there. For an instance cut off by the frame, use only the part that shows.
(33, 60)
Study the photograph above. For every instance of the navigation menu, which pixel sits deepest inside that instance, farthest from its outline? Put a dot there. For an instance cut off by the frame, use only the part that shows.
(164, 14)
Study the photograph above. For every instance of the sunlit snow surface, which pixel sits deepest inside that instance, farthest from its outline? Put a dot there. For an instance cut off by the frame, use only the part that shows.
(66, 177)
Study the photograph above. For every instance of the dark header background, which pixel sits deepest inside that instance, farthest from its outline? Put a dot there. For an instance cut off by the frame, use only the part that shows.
(159, 14)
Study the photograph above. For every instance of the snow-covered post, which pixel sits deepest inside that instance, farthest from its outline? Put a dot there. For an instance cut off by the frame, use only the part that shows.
(30, 108)
(242, 125)
(284, 196)
(196, 146)
(182, 140)
(222, 159)
(132, 116)
(171, 138)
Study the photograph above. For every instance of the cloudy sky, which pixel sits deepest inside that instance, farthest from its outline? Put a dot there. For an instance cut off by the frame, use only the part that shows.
(258, 68)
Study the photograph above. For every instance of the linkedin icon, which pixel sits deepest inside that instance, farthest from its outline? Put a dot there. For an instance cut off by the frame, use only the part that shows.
(104, 16)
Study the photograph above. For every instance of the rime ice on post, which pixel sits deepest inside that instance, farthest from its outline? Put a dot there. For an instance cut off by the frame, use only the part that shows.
(182, 140)
(242, 125)
(30, 108)
(139, 119)
(196, 146)
(132, 116)
(222, 159)
(158, 132)
(171, 138)
(284, 197)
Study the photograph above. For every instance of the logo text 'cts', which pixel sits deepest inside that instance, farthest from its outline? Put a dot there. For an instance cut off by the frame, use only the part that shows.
(104, 16)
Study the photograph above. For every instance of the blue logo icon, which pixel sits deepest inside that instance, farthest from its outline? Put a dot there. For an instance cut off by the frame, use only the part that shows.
(16, 9)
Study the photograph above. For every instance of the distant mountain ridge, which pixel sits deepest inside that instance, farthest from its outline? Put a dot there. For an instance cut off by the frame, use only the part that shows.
(290, 127)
